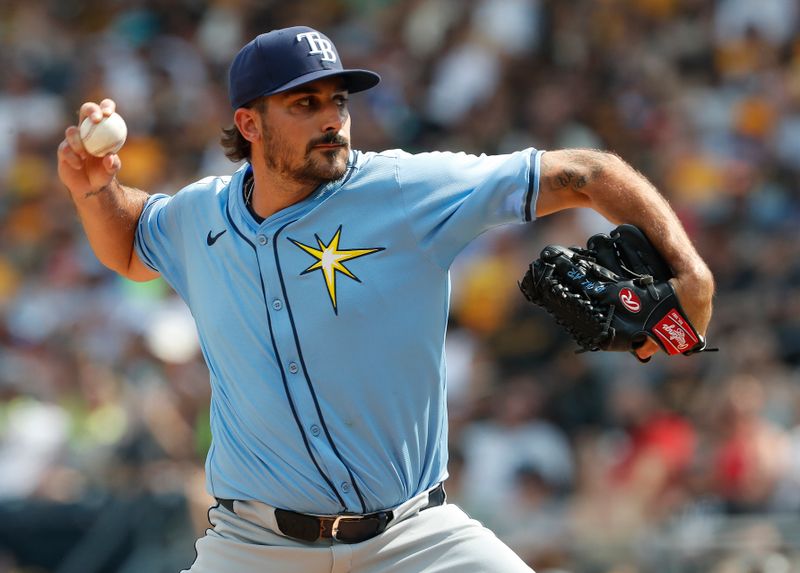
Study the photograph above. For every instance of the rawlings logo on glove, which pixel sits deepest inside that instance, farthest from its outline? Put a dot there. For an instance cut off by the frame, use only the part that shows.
(612, 295)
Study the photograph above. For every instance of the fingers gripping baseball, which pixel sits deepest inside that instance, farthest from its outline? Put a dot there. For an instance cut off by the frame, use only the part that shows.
(80, 171)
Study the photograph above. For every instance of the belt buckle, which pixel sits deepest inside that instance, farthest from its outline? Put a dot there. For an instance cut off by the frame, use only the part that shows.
(340, 518)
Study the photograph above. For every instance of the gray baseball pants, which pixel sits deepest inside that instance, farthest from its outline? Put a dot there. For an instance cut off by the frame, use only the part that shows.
(440, 539)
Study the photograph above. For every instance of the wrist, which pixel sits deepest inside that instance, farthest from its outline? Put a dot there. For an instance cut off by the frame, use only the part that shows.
(84, 194)
(695, 291)
(698, 277)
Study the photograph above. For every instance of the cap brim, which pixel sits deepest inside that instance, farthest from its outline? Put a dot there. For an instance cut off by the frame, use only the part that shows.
(356, 80)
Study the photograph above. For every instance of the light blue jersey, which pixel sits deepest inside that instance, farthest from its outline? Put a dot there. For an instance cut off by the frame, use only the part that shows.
(323, 327)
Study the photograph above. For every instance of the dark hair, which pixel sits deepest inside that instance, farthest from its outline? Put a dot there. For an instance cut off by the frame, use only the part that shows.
(233, 142)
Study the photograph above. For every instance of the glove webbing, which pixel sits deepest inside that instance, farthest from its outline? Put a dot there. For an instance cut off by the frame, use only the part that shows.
(574, 304)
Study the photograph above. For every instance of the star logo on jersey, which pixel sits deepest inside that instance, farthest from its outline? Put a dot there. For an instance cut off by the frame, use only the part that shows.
(330, 260)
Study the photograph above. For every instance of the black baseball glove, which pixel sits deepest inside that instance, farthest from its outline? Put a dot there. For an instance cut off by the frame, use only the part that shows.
(612, 295)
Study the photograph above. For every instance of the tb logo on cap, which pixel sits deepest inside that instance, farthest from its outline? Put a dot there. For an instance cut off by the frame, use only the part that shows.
(318, 45)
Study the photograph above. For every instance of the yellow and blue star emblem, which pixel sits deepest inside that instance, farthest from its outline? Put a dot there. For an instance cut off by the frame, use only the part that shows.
(330, 260)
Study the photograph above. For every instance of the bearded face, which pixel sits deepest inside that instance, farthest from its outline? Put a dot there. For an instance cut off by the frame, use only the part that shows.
(320, 160)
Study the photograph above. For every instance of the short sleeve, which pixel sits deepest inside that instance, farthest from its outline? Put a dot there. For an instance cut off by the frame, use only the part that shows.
(158, 240)
(451, 198)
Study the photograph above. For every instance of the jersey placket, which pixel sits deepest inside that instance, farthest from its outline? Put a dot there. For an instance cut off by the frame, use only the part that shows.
(299, 386)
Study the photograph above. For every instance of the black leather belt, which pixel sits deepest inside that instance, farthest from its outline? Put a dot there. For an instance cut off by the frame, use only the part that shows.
(343, 528)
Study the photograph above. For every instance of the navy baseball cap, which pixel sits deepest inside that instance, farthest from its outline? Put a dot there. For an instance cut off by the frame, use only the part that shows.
(284, 59)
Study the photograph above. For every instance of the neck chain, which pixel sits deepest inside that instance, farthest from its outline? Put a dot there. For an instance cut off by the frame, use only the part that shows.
(248, 191)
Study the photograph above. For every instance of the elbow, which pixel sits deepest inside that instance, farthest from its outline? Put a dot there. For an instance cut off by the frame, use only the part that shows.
(141, 277)
(606, 166)
(703, 278)
(611, 177)
(118, 266)
(121, 268)
(132, 269)
(588, 169)
(138, 271)
(582, 178)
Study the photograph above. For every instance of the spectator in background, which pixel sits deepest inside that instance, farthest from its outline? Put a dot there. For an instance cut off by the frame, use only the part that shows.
(704, 97)
(515, 442)
(752, 454)
(635, 480)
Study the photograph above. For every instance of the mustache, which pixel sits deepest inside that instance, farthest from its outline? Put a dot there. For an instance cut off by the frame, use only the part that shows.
(329, 139)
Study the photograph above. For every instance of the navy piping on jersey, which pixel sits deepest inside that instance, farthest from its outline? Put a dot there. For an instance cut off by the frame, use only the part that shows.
(143, 258)
(280, 364)
(305, 371)
(351, 170)
(531, 184)
(210, 452)
(138, 240)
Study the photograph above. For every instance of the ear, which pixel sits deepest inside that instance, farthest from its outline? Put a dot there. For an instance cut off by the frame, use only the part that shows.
(248, 123)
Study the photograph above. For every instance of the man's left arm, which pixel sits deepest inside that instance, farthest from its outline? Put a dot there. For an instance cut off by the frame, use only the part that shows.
(604, 182)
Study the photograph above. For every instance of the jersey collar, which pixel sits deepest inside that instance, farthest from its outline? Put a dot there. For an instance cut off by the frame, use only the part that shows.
(244, 219)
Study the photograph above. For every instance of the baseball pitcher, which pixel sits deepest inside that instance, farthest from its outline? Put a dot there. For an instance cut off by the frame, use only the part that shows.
(318, 278)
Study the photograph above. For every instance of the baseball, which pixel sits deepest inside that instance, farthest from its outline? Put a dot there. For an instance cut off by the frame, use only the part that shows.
(107, 136)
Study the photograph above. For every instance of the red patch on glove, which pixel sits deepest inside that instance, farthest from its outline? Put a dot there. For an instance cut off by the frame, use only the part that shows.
(675, 333)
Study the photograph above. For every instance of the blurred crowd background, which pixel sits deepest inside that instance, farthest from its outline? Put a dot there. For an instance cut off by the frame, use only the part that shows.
(589, 463)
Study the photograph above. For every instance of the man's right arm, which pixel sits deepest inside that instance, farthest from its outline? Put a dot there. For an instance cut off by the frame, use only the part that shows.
(108, 211)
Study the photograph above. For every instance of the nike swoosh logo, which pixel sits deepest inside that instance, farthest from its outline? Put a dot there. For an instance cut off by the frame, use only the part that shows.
(211, 239)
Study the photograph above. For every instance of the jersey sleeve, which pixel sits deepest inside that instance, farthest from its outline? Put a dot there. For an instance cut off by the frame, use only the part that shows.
(451, 198)
(158, 240)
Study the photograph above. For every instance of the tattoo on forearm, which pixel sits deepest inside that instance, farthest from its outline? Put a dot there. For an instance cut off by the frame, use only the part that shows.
(563, 179)
(571, 178)
(102, 189)
(93, 193)
(583, 169)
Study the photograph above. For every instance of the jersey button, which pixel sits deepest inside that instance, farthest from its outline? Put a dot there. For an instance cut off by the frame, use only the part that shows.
(293, 367)
(345, 487)
(262, 240)
(315, 430)
(277, 305)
